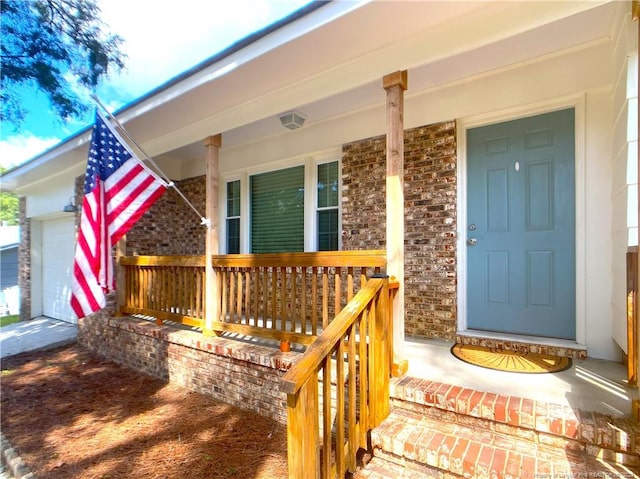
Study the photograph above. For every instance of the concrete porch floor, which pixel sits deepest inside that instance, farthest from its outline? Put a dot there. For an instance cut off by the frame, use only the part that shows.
(590, 384)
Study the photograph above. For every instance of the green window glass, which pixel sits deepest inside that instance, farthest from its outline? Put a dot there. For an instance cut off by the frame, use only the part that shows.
(233, 217)
(277, 211)
(327, 212)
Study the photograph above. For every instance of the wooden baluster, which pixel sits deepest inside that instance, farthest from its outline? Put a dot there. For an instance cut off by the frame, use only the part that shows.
(256, 298)
(224, 289)
(145, 288)
(247, 295)
(161, 276)
(238, 299)
(352, 435)
(265, 298)
(283, 298)
(293, 308)
(337, 291)
(303, 300)
(326, 417)
(349, 283)
(151, 281)
(192, 296)
(340, 379)
(173, 293)
(232, 293)
(314, 301)
(364, 378)
(325, 297)
(199, 288)
(274, 291)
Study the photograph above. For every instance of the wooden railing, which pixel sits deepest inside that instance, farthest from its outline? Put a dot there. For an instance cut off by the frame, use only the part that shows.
(289, 297)
(339, 390)
(163, 287)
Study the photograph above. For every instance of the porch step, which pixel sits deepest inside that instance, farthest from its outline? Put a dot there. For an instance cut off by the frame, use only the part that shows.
(598, 435)
(410, 445)
(437, 430)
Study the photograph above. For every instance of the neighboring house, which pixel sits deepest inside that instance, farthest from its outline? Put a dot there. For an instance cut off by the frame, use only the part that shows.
(9, 296)
(520, 161)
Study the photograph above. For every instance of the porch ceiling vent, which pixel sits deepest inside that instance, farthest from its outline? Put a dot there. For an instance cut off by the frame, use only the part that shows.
(292, 120)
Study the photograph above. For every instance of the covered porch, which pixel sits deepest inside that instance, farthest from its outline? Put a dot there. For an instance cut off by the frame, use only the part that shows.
(288, 343)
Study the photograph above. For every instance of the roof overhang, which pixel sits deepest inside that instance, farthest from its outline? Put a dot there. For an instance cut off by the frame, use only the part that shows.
(330, 61)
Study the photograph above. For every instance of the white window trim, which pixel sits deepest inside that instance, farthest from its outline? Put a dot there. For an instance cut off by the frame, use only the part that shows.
(310, 163)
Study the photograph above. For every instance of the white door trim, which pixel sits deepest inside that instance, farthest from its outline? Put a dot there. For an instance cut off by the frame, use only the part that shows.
(463, 124)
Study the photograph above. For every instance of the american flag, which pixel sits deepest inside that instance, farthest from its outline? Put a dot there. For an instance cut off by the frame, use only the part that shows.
(118, 189)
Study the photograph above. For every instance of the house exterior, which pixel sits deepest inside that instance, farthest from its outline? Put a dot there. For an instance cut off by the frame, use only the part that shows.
(520, 163)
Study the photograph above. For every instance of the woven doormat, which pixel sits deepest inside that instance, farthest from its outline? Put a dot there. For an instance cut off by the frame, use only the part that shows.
(510, 361)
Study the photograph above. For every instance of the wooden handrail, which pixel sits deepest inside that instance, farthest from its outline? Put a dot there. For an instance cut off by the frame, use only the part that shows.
(173, 260)
(342, 259)
(323, 440)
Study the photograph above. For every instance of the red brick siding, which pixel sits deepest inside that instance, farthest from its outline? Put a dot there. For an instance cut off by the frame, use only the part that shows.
(430, 220)
(170, 226)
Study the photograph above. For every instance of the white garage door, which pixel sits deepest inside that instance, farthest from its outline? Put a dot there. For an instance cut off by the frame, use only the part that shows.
(58, 248)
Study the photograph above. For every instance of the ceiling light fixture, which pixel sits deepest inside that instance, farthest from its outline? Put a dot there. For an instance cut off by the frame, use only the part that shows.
(292, 120)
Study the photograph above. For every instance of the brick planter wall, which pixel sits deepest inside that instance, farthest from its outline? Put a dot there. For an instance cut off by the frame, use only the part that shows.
(237, 373)
(430, 220)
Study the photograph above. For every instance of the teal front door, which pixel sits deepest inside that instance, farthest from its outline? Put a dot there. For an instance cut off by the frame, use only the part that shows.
(521, 226)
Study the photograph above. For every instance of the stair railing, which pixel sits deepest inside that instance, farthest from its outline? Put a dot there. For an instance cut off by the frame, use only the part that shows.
(339, 390)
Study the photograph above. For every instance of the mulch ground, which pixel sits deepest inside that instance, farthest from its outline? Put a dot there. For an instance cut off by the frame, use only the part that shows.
(74, 415)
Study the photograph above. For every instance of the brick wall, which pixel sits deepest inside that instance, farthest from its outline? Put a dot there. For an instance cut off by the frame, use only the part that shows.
(430, 220)
(24, 261)
(241, 374)
(170, 226)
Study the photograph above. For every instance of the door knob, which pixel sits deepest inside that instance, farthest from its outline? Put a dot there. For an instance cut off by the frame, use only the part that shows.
(472, 241)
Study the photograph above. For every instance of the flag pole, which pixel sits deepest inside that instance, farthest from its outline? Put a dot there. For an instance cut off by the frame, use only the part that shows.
(203, 220)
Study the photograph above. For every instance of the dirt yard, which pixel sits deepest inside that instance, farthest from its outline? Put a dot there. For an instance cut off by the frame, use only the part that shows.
(74, 415)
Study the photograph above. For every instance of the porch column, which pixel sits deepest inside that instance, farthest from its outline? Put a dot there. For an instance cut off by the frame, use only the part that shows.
(212, 283)
(395, 84)
(635, 12)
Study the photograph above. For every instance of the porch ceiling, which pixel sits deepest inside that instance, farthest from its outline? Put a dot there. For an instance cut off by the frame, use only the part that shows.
(439, 43)
(331, 62)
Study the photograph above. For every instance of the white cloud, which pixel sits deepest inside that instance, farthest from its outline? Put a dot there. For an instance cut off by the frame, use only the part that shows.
(19, 148)
(162, 41)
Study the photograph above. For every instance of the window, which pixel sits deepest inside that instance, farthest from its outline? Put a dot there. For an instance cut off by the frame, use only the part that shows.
(233, 217)
(277, 211)
(327, 210)
(293, 209)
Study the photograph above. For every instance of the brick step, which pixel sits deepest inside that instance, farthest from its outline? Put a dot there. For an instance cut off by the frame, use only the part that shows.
(424, 446)
(381, 468)
(539, 422)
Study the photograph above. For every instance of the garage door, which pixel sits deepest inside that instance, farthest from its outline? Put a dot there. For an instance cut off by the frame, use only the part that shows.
(58, 247)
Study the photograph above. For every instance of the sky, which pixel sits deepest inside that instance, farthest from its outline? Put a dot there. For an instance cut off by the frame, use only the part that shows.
(160, 42)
